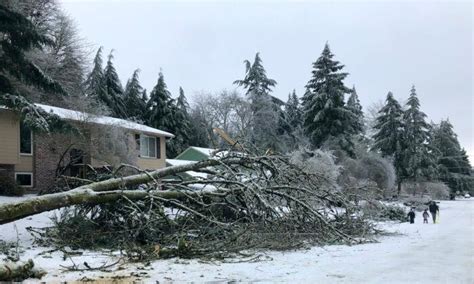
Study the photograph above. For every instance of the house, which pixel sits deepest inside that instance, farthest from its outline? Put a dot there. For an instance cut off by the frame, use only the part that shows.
(35, 159)
(190, 156)
(185, 175)
(196, 154)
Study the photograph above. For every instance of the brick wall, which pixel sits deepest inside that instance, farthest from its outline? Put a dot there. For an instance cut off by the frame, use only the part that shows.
(48, 152)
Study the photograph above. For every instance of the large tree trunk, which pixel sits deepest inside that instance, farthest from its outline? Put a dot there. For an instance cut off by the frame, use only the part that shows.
(102, 192)
(18, 271)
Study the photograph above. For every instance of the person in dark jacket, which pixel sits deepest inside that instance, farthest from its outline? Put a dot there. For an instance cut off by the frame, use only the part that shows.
(434, 210)
(411, 216)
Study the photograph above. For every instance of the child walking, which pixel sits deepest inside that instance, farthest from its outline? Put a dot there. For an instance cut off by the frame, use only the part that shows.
(426, 215)
(411, 215)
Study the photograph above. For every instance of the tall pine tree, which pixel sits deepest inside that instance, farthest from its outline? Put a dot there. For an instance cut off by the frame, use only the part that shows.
(389, 137)
(19, 36)
(182, 126)
(293, 111)
(325, 115)
(95, 86)
(453, 165)
(419, 160)
(159, 105)
(136, 107)
(114, 89)
(353, 104)
(256, 82)
(265, 110)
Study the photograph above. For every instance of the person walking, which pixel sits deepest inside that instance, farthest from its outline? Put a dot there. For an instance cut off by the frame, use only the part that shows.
(426, 215)
(411, 215)
(434, 210)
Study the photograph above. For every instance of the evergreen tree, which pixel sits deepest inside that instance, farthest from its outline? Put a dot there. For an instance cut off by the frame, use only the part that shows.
(453, 164)
(419, 161)
(256, 82)
(325, 116)
(18, 36)
(95, 87)
(265, 110)
(146, 109)
(182, 102)
(199, 134)
(114, 90)
(389, 136)
(290, 130)
(160, 106)
(182, 125)
(293, 111)
(144, 97)
(133, 98)
(353, 104)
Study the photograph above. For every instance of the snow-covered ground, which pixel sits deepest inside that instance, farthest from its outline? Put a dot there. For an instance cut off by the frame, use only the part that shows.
(421, 253)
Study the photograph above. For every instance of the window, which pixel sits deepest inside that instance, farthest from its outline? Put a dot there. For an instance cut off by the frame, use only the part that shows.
(24, 179)
(148, 147)
(137, 142)
(26, 140)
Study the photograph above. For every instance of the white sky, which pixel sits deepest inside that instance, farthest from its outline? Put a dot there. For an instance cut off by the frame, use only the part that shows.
(386, 46)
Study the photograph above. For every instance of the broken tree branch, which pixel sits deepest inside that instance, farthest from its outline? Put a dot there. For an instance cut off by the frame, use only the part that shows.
(91, 193)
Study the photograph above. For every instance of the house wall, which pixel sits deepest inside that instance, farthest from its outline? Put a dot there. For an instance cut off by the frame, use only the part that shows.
(152, 164)
(25, 164)
(9, 137)
(11, 160)
(48, 149)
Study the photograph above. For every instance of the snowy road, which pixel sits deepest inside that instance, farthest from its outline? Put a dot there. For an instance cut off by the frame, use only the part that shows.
(425, 253)
(428, 253)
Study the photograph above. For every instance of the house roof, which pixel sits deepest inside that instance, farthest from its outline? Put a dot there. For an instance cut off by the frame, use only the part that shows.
(205, 151)
(174, 162)
(74, 115)
(193, 153)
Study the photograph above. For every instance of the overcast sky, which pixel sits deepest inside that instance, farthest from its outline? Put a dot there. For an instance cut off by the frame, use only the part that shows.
(385, 46)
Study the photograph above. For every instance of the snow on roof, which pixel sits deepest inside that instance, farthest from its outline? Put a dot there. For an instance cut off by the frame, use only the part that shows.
(104, 120)
(205, 151)
(174, 162)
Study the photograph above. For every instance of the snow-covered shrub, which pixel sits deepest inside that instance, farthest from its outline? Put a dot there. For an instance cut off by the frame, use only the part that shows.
(433, 190)
(394, 213)
(370, 176)
(378, 211)
(317, 162)
(438, 190)
(379, 170)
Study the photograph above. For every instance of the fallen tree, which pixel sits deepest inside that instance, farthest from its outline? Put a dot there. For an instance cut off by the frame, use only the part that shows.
(276, 202)
(99, 192)
(18, 271)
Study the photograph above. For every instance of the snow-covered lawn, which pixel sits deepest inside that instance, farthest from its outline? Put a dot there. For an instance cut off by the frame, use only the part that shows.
(423, 253)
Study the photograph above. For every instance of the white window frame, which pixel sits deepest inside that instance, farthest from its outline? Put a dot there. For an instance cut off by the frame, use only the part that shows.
(31, 145)
(142, 136)
(24, 173)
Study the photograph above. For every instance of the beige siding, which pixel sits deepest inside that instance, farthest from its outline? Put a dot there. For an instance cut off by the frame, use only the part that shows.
(9, 137)
(25, 165)
(150, 163)
(143, 163)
